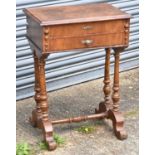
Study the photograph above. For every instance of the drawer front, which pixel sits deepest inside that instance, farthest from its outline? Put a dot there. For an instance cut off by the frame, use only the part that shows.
(83, 29)
(86, 42)
(90, 35)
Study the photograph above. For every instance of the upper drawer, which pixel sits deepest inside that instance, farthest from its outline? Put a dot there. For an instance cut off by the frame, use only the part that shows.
(82, 29)
(100, 34)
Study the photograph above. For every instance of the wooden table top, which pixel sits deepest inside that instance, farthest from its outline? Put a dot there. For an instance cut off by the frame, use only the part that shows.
(53, 15)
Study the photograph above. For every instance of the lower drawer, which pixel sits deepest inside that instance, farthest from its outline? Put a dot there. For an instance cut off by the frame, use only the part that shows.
(71, 43)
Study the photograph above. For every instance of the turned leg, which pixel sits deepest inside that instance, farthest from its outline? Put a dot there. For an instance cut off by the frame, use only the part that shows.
(106, 104)
(36, 113)
(46, 124)
(114, 114)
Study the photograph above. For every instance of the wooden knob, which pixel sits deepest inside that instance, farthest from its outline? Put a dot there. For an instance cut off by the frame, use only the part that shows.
(126, 25)
(46, 31)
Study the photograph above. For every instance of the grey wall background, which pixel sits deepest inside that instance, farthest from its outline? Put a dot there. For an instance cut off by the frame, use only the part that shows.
(68, 68)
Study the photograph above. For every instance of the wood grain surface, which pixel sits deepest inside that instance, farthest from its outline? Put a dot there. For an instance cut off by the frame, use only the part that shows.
(53, 15)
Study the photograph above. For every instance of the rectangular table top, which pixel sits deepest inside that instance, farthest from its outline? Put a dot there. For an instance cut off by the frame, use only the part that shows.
(54, 15)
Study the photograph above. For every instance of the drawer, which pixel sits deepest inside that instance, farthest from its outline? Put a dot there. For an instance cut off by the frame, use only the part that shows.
(99, 26)
(60, 31)
(70, 43)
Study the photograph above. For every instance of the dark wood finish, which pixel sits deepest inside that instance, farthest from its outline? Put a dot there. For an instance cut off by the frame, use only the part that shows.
(78, 42)
(116, 92)
(106, 104)
(81, 118)
(118, 124)
(107, 87)
(86, 29)
(103, 24)
(32, 32)
(114, 114)
(68, 37)
(54, 29)
(37, 113)
(56, 15)
(40, 117)
(47, 126)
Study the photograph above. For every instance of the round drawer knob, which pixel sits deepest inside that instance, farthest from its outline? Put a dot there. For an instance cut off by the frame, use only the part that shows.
(87, 42)
(87, 27)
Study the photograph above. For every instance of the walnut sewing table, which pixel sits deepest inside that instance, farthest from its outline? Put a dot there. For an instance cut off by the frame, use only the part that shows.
(61, 28)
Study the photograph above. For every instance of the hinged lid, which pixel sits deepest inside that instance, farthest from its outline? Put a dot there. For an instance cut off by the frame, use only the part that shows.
(53, 15)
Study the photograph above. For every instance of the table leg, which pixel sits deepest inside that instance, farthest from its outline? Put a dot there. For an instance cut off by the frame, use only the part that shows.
(35, 119)
(46, 123)
(106, 104)
(114, 114)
